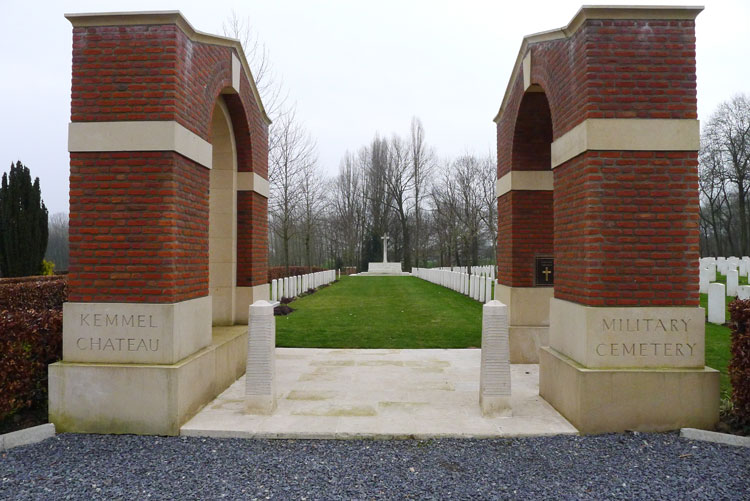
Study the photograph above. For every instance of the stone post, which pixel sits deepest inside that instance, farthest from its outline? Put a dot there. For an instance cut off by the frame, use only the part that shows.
(494, 377)
(260, 387)
(716, 304)
(274, 290)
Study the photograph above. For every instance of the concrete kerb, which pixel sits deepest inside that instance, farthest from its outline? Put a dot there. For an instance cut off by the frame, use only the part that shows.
(715, 437)
(28, 436)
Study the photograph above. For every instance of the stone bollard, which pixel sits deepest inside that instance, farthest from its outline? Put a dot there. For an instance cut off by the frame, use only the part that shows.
(743, 292)
(716, 303)
(494, 376)
(732, 282)
(260, 386)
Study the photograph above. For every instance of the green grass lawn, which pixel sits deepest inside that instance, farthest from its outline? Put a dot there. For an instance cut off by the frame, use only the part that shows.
(382, 312)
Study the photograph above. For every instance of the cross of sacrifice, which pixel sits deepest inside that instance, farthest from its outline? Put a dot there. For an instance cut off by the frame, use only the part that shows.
(384, 238)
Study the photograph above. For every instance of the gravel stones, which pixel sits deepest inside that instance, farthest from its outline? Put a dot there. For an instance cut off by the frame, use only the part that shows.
(633, 466)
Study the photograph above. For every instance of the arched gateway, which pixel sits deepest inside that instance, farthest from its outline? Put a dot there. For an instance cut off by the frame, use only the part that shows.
(598, 219)
(168, 222)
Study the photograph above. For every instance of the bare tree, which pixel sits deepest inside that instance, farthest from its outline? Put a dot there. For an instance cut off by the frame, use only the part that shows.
(270, 87)
(725, 174)
(399, 180)
(57, 243)
(312, 188)
(487, 177)
(289, 161)
(422, 160)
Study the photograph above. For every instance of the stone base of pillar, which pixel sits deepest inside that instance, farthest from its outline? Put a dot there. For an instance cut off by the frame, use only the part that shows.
(525, 342)
(495, 406)
(144, 399)
(616, 400)
(384, 268)
(260, 404)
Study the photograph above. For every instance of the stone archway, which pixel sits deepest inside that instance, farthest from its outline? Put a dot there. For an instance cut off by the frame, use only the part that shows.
(626, 335)
(525, 226)
(222, 217)
(161, 116)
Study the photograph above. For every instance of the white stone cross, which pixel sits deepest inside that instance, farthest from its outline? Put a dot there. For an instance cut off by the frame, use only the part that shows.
(384, 238)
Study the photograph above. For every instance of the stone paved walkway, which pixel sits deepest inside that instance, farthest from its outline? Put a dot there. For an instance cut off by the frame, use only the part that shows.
(324, 393)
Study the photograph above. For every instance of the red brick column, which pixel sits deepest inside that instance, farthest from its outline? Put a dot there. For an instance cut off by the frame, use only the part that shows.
(159, 249)
(622, 145)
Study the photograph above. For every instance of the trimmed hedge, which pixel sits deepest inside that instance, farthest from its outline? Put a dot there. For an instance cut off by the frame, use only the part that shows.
(29, 341)
(30, 338)
(739, 363)
(33, 293)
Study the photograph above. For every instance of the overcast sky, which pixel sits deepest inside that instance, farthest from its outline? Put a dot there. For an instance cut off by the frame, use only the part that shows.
(353, 68)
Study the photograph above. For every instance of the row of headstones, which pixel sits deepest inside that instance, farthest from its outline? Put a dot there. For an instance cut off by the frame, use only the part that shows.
(733, 268)
(291, 287)
(494, 372)
(477, 287)
(487, 271)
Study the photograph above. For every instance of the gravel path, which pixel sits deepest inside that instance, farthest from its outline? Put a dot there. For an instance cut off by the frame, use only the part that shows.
(629, 466)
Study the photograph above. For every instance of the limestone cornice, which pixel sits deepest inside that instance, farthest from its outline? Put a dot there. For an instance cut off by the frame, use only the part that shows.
(524, 180)
(626, 134)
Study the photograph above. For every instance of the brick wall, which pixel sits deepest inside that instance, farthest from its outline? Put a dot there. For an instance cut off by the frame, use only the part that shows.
(626, 229)
(139, 220)
(525, 231)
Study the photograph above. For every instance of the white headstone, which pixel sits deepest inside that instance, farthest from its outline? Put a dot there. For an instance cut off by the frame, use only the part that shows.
(743, 292)
(494, 375)
(716, 303)
(704, 280)
(732, 282)
(260, 385)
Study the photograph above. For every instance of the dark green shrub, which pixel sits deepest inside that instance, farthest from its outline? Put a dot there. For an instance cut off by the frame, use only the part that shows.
(23, 223)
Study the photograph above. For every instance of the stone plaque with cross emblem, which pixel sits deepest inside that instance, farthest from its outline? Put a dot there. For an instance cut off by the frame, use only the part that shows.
(544, 271)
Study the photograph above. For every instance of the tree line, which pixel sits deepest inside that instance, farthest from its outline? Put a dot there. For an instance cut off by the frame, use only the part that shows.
(435, 212)
(724, 180)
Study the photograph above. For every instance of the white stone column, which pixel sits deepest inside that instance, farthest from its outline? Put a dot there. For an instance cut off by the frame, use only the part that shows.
(732, 282)
(716, 303)
(494, 377)
(260, 385)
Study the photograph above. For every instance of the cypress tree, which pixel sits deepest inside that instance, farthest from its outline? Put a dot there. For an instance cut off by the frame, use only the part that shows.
(23, 223)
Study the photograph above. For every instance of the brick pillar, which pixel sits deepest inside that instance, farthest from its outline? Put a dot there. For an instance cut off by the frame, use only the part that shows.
(626, 336)
(144, 157)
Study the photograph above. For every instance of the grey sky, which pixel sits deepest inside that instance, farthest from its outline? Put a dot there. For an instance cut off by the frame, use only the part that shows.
(353, 68)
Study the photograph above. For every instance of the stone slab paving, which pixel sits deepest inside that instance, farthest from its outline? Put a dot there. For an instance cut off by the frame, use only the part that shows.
(327, 393)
